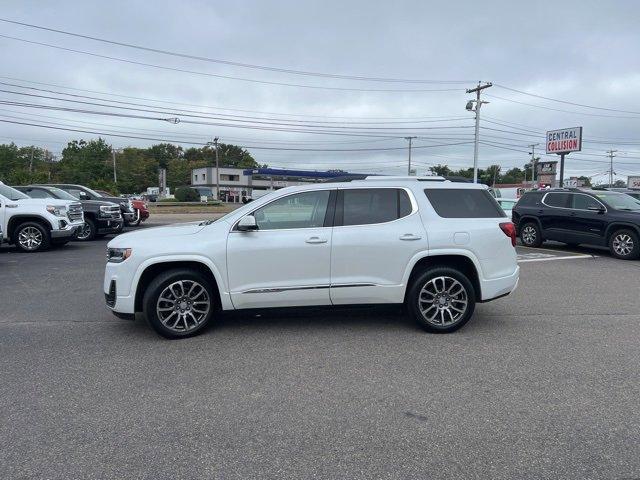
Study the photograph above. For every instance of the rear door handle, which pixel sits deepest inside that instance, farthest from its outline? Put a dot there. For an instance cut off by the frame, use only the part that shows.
(316, 240)
(410, 236)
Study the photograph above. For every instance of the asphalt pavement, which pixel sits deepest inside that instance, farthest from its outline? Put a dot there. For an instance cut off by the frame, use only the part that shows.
(541, 384)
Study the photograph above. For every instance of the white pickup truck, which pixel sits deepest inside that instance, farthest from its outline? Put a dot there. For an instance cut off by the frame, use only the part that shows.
(34, 224)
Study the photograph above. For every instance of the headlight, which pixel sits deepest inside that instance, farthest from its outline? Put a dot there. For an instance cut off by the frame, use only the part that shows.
(118, 255)
(105, 210)
(57, 211)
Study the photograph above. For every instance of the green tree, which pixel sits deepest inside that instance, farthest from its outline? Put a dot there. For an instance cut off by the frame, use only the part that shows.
(441, 170)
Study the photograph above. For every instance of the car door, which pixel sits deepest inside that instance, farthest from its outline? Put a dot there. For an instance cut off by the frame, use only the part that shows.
(376, 233)
(287, 260)
(554, 216)
(587, 220)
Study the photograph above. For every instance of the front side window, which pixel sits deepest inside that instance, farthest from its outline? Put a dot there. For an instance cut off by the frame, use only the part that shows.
(366, 206)
(11, 193)
(301, 210)
(463, 203)
(560, 200)
(584, 202)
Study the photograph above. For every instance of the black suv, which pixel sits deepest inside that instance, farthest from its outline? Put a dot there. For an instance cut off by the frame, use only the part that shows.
(100, 217)
(572, 216)
(85, 193)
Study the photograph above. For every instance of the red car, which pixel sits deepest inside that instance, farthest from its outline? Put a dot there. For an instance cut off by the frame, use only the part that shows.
(139, 206)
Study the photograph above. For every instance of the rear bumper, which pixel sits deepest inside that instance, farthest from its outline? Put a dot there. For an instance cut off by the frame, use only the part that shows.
(499, 287)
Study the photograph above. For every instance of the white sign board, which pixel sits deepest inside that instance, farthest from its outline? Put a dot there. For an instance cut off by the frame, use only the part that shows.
(633, 182)
(564, 140)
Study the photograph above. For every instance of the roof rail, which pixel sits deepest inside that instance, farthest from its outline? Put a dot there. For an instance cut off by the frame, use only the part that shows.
(429, 178)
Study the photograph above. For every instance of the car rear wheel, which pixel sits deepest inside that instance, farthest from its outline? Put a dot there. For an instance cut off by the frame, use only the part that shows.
(32, 237)
(530, 235)
(441, 299)
(179, 303)
(87, 231)
(624, 244)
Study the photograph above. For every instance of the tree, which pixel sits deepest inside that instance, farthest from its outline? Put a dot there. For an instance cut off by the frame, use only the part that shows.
(586, 181)
(441, 170)
(186, 194)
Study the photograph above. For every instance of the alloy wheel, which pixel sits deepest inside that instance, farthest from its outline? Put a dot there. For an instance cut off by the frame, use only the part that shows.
(30, 238)
(183, 305)
(623, 244)
(528, 235)
(84, 232)
(443, 301)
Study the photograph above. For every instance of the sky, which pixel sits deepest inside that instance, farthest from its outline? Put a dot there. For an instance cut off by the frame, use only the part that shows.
(417, 57)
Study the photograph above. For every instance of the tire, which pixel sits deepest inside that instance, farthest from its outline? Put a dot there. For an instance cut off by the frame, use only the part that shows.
(530, 235)
(441, 299)
(32, 237)
(177, 292)
(87, 232)
(624, 244)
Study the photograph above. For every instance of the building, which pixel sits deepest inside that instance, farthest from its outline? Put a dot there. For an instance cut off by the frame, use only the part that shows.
(238, 184)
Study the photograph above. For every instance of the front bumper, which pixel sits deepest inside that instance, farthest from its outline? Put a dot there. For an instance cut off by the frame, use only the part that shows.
(66, 229)
(129, 216)
(109, 225)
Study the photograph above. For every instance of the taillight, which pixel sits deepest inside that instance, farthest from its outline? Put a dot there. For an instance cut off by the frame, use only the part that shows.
(509, 230)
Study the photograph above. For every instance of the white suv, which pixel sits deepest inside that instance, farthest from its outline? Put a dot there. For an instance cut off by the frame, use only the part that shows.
(436, 246)
(34, 224)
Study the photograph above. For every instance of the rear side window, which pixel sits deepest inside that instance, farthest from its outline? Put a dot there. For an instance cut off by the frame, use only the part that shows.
(529, 199)
(365, 206)
(463, 203)
(561, 200)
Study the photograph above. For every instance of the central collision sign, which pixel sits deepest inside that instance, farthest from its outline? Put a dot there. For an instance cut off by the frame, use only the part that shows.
(564, 140)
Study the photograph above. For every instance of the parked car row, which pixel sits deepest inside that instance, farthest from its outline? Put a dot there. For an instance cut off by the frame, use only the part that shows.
(35, 217)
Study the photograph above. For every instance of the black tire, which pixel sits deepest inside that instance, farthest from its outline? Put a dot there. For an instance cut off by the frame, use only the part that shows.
(195, 322)
(624, 244)
(530, 235)
(423, 299)
(87, 232)
(31, 237)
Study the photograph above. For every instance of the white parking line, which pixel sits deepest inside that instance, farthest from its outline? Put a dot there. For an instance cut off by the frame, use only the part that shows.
(548, 258)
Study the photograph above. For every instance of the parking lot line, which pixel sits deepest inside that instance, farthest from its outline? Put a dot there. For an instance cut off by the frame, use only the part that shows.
(553, 257)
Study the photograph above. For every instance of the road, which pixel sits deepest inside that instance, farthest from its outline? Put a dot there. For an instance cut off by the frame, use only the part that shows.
(542, 384)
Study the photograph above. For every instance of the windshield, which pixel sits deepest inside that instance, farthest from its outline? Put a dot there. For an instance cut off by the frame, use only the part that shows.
(92, 192)
(61, 194)
(12, 193)
(620, 201)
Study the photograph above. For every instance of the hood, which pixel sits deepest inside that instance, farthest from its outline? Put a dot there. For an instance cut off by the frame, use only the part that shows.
(42, 202)
(97, 203)
(631, 216)
(155, 233)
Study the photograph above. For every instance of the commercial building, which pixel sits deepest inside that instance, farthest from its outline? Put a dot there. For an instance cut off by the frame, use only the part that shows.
(238, 184)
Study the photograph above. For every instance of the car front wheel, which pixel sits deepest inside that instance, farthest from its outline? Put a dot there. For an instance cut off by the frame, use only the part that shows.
(179, 303)
(441, 299)
(624, 244)
(87, 231)
(32, 237)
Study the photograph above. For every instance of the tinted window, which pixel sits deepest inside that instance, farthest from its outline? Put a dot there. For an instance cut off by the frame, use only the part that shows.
(464, 203)
(364, 206)
(529, 199)
(302, 210)
(38, 193)
(557, 200)
(584, 202)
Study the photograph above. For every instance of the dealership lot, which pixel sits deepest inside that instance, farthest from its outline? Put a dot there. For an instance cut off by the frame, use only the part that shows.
(544, 383)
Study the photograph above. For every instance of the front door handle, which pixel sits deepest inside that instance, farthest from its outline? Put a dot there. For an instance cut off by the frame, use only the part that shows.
(410, 236)
(316, 240)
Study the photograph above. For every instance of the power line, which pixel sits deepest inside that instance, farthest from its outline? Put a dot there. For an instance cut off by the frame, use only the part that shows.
(236, 64)
(228, 77)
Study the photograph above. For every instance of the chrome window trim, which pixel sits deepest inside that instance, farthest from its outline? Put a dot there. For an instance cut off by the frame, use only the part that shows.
(570, 208)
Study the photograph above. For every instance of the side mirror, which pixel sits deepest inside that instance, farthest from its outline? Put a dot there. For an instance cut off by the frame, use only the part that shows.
(82, 195)
(247, 224)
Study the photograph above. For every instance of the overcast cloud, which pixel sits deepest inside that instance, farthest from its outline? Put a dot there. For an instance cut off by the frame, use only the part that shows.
(583, 51)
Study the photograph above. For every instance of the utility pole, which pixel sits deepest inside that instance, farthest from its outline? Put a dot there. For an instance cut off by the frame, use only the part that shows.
(611, 155)
(479, 103)
(215, 143)
(409, 166)
(533, 161)
(113, 156)
(31, 161)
